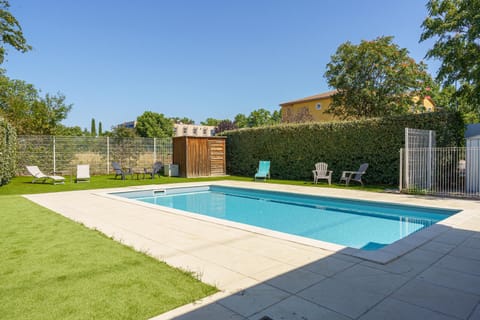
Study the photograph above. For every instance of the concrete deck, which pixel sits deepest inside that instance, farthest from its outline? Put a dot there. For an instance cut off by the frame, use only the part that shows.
(433, 275)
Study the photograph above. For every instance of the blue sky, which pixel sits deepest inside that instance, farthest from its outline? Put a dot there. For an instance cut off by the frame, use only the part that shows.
(115, 59)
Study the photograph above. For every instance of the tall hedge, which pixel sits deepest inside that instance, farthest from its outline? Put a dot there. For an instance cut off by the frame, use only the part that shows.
(294, 149)
(8, 149)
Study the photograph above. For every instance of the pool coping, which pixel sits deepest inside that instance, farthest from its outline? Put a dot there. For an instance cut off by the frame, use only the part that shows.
(382, 256)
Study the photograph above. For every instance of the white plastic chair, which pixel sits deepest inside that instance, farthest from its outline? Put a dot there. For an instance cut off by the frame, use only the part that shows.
(321, 172)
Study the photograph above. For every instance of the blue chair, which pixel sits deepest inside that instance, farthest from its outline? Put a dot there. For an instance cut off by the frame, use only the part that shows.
(263, 170)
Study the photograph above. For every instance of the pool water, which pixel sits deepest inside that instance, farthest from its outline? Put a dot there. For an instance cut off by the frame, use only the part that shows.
(358, 224)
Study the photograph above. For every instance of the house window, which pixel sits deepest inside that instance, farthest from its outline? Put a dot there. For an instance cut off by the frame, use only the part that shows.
(205, 132)
(195, 130)
(318, 106)
(185, 130)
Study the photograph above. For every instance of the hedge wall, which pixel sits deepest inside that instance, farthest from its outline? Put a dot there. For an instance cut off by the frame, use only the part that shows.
(294, 149)
(8, 149)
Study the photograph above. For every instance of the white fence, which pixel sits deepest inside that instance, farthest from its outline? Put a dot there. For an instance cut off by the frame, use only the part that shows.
(453, 171)
(62, 154)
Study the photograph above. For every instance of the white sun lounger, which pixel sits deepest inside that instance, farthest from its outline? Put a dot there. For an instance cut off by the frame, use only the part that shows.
(39, 175)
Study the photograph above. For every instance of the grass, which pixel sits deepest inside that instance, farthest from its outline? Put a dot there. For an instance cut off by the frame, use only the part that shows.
(54, 268)
(23, 185)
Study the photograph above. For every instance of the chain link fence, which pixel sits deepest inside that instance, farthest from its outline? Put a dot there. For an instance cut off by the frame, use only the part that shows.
(62, 154)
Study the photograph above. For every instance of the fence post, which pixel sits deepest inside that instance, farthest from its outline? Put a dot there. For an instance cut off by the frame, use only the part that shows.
(407, 169)
(108, 155)
(154, 150)
(54, 162)
(400, 180)
(429, 161)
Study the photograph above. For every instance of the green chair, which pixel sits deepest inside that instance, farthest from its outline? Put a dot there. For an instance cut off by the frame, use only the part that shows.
(263, 170)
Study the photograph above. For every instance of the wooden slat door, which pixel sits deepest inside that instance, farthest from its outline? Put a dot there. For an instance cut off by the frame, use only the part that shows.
(216, 153)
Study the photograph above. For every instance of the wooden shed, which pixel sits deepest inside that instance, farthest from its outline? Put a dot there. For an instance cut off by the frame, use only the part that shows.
(200, 156)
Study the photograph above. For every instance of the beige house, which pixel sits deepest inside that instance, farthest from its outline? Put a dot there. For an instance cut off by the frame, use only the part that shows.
(192, 130)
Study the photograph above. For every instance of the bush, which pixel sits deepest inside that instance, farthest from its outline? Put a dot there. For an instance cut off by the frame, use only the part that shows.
(8, 149)
(293, 149)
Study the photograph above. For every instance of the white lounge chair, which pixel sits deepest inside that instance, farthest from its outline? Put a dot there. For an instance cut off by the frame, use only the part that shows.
(348, 176)
(321, 172)
(39, 175)
(83, 173)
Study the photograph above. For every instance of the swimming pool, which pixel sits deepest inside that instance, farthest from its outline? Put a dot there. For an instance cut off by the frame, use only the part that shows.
(365, 225)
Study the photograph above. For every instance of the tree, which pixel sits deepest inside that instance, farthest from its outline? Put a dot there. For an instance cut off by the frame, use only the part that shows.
(210, 122)
(260, 117)
(122, 132)
(154, 125)
(93, 128)
(10, 32)
(455, 24)
(241, 120)
(183, 120)
(62, 130)
(21, 104)
(375, 78)
(100, 130)
(446, 98)
(225, 125)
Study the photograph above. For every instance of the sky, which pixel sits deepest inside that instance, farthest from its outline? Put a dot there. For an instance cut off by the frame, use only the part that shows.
(115, 59)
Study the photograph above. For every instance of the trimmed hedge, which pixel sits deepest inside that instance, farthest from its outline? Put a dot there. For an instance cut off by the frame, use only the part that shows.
(293, 149)
(8, 149)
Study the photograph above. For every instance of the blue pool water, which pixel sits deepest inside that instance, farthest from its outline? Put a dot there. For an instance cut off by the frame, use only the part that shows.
(354, 223)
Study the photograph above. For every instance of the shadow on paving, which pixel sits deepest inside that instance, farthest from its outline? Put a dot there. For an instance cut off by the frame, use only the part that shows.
(438, 280)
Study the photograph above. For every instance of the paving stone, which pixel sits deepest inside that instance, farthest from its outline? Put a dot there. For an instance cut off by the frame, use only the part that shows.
(393, 309)
(294, 308)
(253, 300)
(452, 279)
(296, 280)
(437, 298)
(212, 311)
(329, 266)
(469, 266)
(341, 297)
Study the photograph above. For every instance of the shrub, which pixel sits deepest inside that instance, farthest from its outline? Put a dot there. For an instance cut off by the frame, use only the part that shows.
(294, 148)
(8, 149)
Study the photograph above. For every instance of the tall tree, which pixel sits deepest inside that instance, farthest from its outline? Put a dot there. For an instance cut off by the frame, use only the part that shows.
(100, 129)
(154, 125)
(241, 120)
(93, 128)
(210, 122)
(11, 33)
(375, 78)
(259, 117)
(455, 24)
(30, 113)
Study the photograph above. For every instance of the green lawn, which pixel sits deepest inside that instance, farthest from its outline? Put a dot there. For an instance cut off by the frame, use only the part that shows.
(54, 268)
(23, 185)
